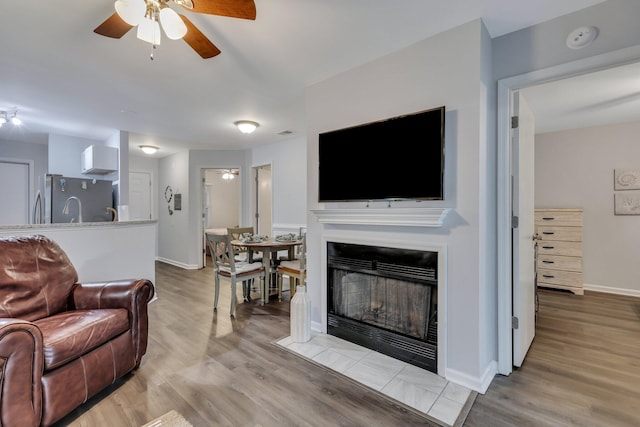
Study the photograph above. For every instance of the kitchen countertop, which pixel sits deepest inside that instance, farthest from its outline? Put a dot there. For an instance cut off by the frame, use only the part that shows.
(77, 225)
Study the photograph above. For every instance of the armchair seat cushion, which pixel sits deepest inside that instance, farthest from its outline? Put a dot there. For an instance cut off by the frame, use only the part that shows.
(69, 335)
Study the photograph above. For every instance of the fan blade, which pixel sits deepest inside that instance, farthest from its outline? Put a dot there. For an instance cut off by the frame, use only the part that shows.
(113, 27)
(245, 9)
(198, 41)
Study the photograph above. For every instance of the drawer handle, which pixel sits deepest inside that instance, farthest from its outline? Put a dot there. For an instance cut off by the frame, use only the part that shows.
(548, 262)
(548, 247)
(548, 232)
(546, 276)
(548, 218)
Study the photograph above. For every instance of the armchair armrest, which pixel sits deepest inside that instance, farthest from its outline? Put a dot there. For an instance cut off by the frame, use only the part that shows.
(132, 294)
(21, 365)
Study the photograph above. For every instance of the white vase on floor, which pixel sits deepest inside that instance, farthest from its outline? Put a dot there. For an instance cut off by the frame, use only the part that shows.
(300, 315)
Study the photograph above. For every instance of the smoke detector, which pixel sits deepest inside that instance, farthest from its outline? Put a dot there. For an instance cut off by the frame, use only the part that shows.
(582, 37)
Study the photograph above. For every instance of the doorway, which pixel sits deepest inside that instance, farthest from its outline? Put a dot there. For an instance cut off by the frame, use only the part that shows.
(140, 196)
(506, 256)
(220, 201)
(261, 195)
(17, 178)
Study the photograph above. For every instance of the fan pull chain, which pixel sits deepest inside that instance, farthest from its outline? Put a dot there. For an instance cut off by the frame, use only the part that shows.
(153, 48)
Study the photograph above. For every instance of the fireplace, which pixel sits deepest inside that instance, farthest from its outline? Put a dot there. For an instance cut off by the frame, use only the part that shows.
(384, 299)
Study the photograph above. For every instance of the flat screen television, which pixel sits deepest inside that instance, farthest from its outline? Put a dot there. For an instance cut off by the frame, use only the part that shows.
(401, 158)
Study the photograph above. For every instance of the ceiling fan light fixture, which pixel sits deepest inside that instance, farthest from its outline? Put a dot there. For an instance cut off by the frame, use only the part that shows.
(10, 116)
(131, 11)
(246, 126)
(148, 149)
(149, 31)
(227, 176)
(172, 24)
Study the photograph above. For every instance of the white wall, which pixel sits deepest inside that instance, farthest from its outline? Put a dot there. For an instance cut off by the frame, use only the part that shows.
(65, 153)
(173, 236)
(180, 234)
(37, 153)
(574, 169)
(543, 45)
(204, 159)
(288, 160)
(109, 251)
(451, 69)
(27, 151)
(223, 201)
(139, 163)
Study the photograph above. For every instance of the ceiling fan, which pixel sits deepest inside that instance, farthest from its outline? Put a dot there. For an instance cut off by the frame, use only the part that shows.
(229, 174)
(149, 15)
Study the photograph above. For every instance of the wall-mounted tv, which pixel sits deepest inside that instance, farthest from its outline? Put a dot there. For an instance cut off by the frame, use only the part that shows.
(401, 158)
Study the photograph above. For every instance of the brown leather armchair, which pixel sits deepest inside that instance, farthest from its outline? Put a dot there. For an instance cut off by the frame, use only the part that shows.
(61, 342)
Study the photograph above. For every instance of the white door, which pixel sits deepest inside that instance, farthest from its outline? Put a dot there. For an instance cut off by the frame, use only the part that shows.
(14, 193)
(524, 290)
(139, 195)
(262, 195)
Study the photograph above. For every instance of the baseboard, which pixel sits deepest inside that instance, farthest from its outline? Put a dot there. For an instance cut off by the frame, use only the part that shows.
(316, 326)
(479, 384)
(610, 290)
(177, 264)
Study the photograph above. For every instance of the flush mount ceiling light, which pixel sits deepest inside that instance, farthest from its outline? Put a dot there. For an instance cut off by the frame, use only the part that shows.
(10, 116)
(582, 37)
(148, 149)
(246, 126)
(151, 15)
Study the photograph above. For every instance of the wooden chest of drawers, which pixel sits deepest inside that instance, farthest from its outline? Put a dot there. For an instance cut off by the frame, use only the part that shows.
(559, 260)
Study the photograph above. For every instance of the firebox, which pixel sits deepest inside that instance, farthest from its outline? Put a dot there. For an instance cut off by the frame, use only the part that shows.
(384, 299)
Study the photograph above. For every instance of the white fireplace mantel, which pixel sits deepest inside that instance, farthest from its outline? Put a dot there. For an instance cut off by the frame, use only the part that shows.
(410, 217)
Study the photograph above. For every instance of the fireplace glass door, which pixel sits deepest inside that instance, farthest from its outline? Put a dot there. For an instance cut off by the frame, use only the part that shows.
(384, 299)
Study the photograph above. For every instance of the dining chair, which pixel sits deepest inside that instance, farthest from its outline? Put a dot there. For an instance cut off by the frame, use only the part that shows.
(227, 268)
(295, 270)
(238, 233)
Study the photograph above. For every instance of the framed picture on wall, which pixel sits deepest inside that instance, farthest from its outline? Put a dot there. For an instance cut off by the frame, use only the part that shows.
(627, 203)
(626, 179)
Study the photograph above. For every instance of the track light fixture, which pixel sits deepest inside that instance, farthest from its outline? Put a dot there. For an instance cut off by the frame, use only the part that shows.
(10, 116)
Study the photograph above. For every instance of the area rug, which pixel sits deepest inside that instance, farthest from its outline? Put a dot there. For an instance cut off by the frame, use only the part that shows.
(170, 419)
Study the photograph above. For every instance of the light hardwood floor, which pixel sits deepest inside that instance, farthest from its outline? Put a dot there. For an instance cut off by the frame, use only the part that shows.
(583, 369)
(217, 371)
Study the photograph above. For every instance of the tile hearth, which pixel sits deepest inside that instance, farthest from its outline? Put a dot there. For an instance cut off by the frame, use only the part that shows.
(417, 388)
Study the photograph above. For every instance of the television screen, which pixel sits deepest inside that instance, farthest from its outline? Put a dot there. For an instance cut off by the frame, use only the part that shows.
(394, 159)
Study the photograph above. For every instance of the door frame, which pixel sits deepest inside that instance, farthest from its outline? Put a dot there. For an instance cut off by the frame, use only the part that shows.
(199, 200)
(254, 190)
(505, 88)
(31, 184)
(152, 210)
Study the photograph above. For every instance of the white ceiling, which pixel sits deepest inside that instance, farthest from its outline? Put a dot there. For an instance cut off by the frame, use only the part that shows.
(598, 98)
(65, 79)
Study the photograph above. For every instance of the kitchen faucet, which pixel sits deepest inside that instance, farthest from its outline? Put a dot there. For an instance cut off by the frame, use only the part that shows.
(65, 210)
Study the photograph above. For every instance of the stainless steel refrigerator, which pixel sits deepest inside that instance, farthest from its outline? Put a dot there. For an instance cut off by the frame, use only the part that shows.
(77, 199)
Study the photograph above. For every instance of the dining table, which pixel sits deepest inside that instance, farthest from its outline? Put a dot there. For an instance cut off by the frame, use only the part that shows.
(269, 248)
